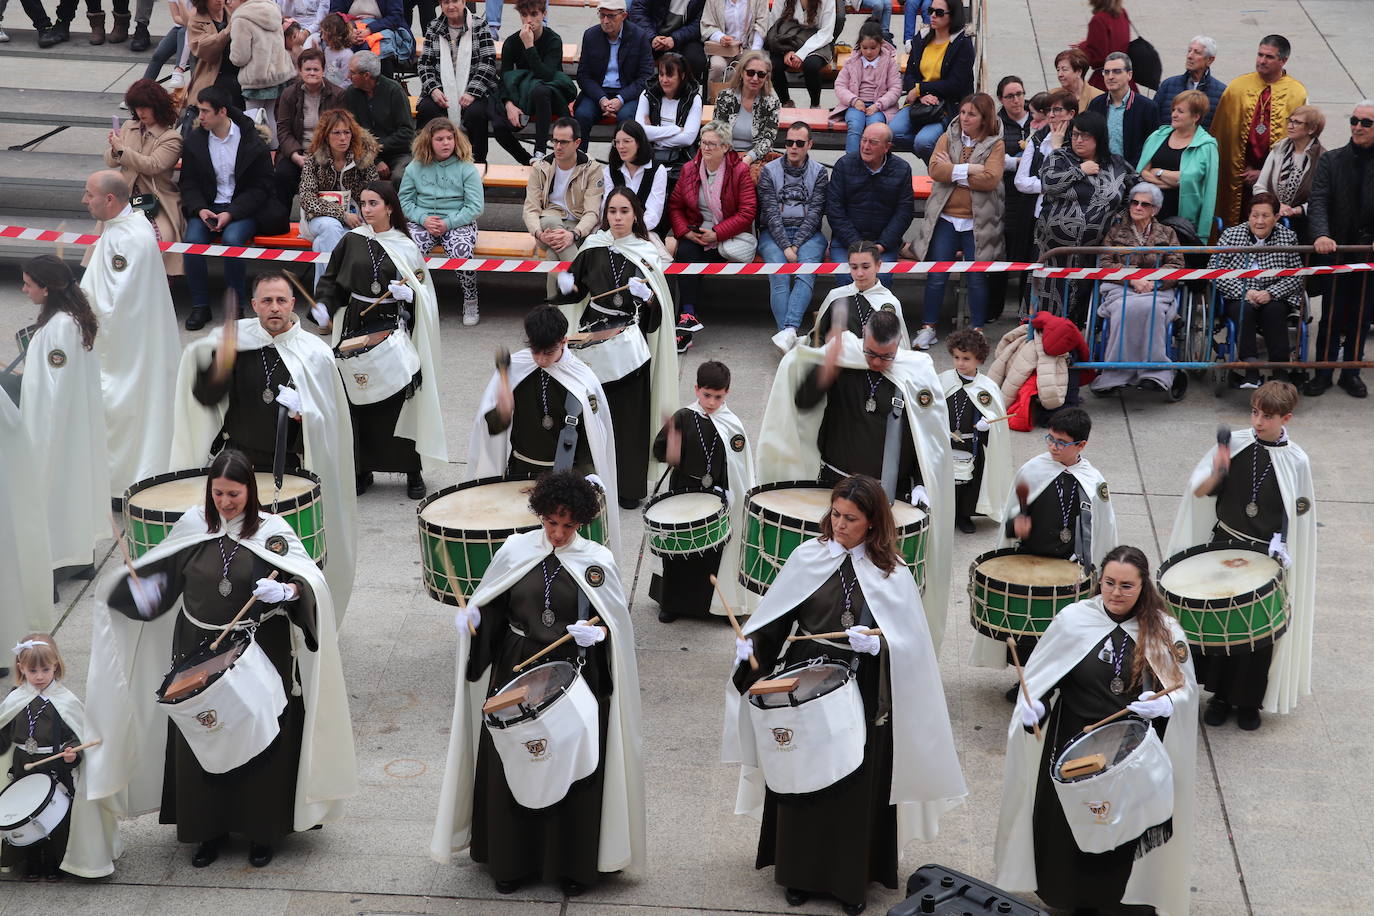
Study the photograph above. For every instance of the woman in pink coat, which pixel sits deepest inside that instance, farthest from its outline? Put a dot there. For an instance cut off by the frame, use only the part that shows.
(869, 85)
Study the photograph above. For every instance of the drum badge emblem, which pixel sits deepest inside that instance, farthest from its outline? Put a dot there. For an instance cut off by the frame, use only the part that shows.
(984, 398)
(277, 544)
(420, 274)
(57, 359)
(1303, 504)
(737, 442)
(925, 398)
(783, 736)
(361, 379)
(119, 262)
(1102, 493)
(1101, 810)
(595, 576)
(538, 748)
(209, 719)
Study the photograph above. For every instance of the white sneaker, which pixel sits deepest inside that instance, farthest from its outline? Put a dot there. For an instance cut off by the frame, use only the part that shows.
(176, 80)
(925, 338)
(469, 314)
(4, 36)
(785, 339)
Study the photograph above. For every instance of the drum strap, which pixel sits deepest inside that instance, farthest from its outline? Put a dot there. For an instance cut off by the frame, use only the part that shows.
(249, 623)
(1239, 536)
(567, 439)
(582, 607)
(892, 447)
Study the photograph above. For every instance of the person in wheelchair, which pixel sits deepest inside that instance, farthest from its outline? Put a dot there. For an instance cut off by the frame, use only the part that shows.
(1261, 305)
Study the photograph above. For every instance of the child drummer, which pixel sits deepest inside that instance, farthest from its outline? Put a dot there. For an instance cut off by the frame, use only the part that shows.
(705, 446)
(1258, 490)
(980, 444)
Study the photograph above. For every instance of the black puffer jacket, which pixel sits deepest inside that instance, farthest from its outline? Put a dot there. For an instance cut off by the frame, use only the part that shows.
(1342, 203)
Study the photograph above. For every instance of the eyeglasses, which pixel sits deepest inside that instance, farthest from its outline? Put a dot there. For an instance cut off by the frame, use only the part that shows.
(798, 143)
(1057, 444)
(938, 14)
(1361, 122)
(710, 144)
(880, 357)
(557, 142)
(1143, 203)
(1296, 122)
(1014, 95)
(1058, 110)
(757, 74)
(1115, 71)
(1124, 587)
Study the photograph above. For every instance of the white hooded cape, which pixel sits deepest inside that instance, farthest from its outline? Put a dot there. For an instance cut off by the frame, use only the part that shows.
(622, 801)
(138, 345)
(926, 778)
(328, 433)
(25, 567)
(93, 838)
(987, 399)
(877, 296)
(65, 417)
(420, 419)
(788, 448)
(663, 398)
(488, 454)
(129, 659)
(1290, 672)
(1160, 877)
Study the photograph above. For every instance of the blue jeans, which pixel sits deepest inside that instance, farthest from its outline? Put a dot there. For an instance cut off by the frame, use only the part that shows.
(790, 294)
(945, 242)
(839, 253)
(914, 9)
(922, 141)
(857, 121)
(491, 12)
(588, 112)
(238, 232)
(883, 8)
(172, 43)
(325, 233)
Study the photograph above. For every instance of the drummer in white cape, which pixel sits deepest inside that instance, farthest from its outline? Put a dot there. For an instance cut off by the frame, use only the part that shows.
(263, 764)
(233, 386)
(837, 806)
(616, 295)
(63, 413)
(559, 797)
(1111, 653)
(862, 296)
(980, 444)
(1258, 491)
(545, 410)
(383, 297)
(139, 344)
(867, 407)
(25, 566)
(38, 719)
(706, 448)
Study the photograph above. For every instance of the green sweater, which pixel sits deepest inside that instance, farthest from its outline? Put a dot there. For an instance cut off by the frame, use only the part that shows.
(450, 190)
(543, 63)
(1197, 184)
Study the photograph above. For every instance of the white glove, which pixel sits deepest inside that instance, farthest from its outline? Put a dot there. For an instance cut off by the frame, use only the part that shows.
(743, 649)
(981, 425)
(320, 313)
(919, 496)
(565, 282)
(400, 292)
(1279, 550)
(147, 594)
(585, 635)
(596, 482)
(289, 398)
(860, 641)
(1029, 715)
(639, 289)
(472, 614)
(1147, 706)
(270, 591)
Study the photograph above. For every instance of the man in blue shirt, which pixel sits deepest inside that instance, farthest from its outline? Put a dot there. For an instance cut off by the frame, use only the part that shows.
(1130, 116)
(1197, 74)
(614, 65)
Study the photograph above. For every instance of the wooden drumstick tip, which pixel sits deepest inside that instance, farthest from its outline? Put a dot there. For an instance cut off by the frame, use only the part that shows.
(502, 358)
(1021, 678)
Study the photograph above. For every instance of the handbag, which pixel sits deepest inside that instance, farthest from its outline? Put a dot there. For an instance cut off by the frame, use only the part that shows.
(921, 114)
(786, 36)
(1147, 68)
(148, 203)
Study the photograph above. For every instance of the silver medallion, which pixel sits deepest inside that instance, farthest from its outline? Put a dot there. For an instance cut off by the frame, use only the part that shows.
(225, 588)
(1118, 686)
(267, 396)
(1251, 510)
(870, 405)
(707, 480)
(618, 300)
(1065, 535)
(376, 287)
(846, 620)
(1261, 128)
(547, 618)
(31, 746)
(547, 422)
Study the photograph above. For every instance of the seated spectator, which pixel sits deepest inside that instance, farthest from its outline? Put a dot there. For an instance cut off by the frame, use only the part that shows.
(1181, 160)
(791, 200)
(801, 37)
(441, 196)
(613, 67)
(1288, 169)
(631, 165)
(1109, 32)
(673, 26)
(298, 113)
(712, 209)
(533, 84)
(868, 87)
(1140, 312)
(308, 14)
(915, 14)
(208, 37)
(563, 197)
(297, 39)
(1071, 67)
(1061, 106)
(172, 45)
(730, 28)
(939, 74)
(258, 49)
(963, 216)
(1197, 74)
(382, 106)
(870, 198)
(1130, 116)
(226, 194)
(340, 161)
(146, 150)
(336, 40)
(458, 73)
(382, 26)
(749, 108)
(669, 110)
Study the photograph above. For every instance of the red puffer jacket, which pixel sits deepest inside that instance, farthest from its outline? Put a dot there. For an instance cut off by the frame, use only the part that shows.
(738, 202)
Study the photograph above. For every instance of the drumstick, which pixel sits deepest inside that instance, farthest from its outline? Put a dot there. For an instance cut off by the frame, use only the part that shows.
(1021, 676)
(295, 281)
(79, 747)
(739, 634)
(237, 617)
(1121, 712)
(618, 289)
(453, 583)
(1023, 496)
(124, 549)
(385, 296)
(872, 631)
(550, 647)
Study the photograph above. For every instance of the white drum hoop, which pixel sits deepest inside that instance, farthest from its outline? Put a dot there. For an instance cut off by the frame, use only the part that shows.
(1116, 805)
(32, 807)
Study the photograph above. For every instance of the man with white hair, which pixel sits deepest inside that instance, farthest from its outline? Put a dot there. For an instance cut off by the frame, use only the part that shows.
(1197, 74)
(381, 105)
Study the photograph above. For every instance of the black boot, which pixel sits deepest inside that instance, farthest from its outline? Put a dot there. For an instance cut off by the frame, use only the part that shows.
(142, 40)
(415, 485)
(53, 35)
(259, 854)
(206, 853)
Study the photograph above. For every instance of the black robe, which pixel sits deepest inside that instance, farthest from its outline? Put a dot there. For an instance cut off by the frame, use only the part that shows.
(537, 393)
(851, 438)
(685, 587)
(49, 731)
(559, 841)
(963, 418)
(1048, 519)
(250, 422)
(257, 799)
(837, 840)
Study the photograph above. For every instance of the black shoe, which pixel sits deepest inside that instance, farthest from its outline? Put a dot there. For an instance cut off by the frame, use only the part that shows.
(1248, 717)
(141, 40)
(965, 524)
(199, 318)
(666, 616)
(1217, 712)
(364, 482)
(1354, 386)
(507, 887)
(795, 896)
(415, 485)
(1012, 692)
(628, 503)
(572, 888)
(55, 35)
(206, 853)
(259, 854)
(853, 909)
(1317, 387)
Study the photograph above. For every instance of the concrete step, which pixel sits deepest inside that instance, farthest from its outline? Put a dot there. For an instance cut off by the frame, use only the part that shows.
(54, 108)
(24, 43)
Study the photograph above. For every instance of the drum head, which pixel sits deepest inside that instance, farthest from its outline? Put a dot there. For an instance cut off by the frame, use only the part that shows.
(181, 494)
(1115, 741)
(1025, 569)
(679, 508)
(546, 683)
(501, 505)
(23, 798)
(905, 515)
(806, 503)
(815, 681)
(1221, 573)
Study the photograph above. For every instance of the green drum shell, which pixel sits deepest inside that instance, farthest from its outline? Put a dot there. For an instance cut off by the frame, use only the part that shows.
(1013, 609)
(1212, 624)
(686, 539)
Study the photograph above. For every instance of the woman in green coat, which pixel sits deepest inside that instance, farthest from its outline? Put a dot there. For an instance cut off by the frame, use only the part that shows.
(533, 84)
(1181, 160)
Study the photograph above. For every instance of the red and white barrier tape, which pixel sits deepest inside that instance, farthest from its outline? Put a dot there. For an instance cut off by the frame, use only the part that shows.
(1178, 276)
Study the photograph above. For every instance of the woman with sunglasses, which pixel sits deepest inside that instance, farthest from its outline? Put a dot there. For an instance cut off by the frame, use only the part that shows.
(748, 107)
(939, 75)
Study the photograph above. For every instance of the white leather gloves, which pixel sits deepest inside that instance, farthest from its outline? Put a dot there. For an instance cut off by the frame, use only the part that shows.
(400, 292)
(470, 616)
(1029, 715)
(147, 593)
(639, 289)
(1147, 706)
(289, 398)
(585, 635)
(1279, 550)
(743, 649)
(270, 591)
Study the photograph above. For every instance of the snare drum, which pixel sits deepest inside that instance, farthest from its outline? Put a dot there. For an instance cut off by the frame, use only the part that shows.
(31, 808)
(812, 736)
(686, 523)
(1228, 597)
(1119, 803)
(779, 517)
(225, 703)
(471, 521)
(1018, 594)
(152, 506)
(551, 738)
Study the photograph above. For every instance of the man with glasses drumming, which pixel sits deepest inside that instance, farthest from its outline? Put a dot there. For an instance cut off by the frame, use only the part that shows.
(1130, 116)
(563, 197)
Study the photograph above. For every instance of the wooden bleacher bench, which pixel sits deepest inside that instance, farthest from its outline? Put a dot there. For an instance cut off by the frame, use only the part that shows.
(490, 244)
(569, 51)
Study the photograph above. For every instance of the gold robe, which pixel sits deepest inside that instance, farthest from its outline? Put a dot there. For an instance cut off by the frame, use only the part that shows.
(1231, 126)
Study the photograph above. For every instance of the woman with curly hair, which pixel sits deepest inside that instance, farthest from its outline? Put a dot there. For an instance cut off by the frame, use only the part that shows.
(145, 150)
(340, 162)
